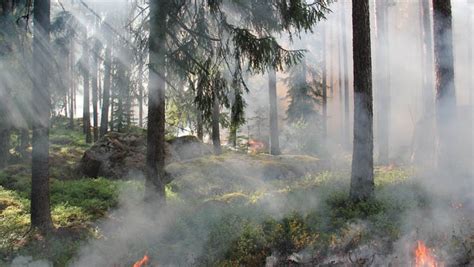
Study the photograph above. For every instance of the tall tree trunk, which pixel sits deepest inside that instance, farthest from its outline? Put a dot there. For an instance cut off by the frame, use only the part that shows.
(95, 90)
(445, 90)
(140, 92)
(382, 81)
(345, 73)
(86, 109)
(362, 177)
(274, 134)
(155, 156)
(216, 135)
(423, 146)
(325, 83)
(40, 204)
(104, 121)
(72, 85)
(470, 54)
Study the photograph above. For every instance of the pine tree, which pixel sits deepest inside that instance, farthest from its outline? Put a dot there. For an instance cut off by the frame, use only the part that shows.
(40, 202)
(362, 177)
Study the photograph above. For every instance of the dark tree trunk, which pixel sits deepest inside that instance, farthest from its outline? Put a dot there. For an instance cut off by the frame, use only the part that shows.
(199, 126)
(86, 109)
(382, 81)
(324, 83)
(155, 156)
(4, 146)
(274, 134)
(24, 142)
(216, 135)
(40, 204)
(95, 91)
(445, 90)
(362, 178)
(345, 76)
(104, 121)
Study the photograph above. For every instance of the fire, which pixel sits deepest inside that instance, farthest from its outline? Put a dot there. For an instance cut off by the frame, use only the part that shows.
(256, 146)
(424, 258)
(144, 261)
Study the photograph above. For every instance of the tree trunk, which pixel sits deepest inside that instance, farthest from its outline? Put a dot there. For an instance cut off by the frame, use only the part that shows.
(86, 111)
(382, 81)
(423, 144)
(24, 142)
(199, 126)
(72, 85)
(140, 92)
(324, 83)
(274, 134)
(345, 76)
(104, 121)
(4, 146)
(470, 54)
(362, 177)
(155, 156)
(95, 91)
(445, 90)
(40, 204)
(216, 135)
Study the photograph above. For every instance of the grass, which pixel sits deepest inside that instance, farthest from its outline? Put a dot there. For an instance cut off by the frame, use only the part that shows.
(234, 219)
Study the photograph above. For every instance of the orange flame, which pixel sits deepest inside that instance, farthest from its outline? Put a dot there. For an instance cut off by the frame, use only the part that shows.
(144, 261)
(256, 146)
(424, 258)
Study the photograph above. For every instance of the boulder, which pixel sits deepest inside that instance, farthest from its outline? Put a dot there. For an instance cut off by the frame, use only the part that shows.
(118, 155)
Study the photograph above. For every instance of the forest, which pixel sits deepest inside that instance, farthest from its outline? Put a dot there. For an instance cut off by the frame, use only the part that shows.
(236, 133)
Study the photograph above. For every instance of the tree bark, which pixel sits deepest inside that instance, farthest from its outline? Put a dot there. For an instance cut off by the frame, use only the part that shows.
(95, 90)
(274, 134)
(72, 85)
(4, 146)
(216, 135)
(382, 81)
(140, 92)
(362, 177)
(345, 76)
(86, 109)
(24, 141)
(445, 90)
(155, 156)
(199, 126)
(324, 83)
(40, 203)
(104, 121)
(423, 144)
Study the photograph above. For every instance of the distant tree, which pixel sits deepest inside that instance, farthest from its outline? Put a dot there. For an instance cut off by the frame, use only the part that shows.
(104, 121)
(324, 82)
(445, 90)
(6, 25)
(95, 87)
(40, 202)
(345, 76)
(86, 115)
(362, 177)
(382, 81)
(274, 132)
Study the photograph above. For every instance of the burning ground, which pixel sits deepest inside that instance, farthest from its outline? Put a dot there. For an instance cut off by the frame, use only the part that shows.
(239, 209)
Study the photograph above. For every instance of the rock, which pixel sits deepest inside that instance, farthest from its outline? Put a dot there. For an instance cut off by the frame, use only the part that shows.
(117, 155)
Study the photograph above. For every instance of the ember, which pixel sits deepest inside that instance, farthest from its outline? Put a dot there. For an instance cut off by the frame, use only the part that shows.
(424, 258)
(256, 146)
(144, 261)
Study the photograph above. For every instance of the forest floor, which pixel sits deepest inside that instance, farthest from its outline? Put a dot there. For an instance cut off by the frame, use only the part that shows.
(222, 215)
